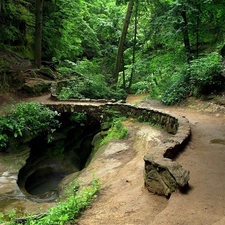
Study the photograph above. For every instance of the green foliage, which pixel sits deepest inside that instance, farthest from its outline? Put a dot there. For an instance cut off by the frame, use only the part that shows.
(16, 25)
(202, 77)
(205, 74)
(8, 217)
(26, 120)
(87, 34)
(155, 77)
(176, 93)
(107, 20)
(67, 33)
(117, 131)
(161, 66)
(3, 140)
(69, 210)
(77, 199)
(79, 88)
(66, 67)
(141, 87)
(88, 82)
(80, 118)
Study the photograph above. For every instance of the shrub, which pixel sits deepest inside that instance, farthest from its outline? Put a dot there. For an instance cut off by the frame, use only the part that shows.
(176, 93)
(26, 120)
(141, 87)
(88, 82)
(202, 77)
(205, 74)
(76, 201)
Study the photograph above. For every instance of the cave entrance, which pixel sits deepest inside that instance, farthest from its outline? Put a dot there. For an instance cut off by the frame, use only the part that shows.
(53, 157)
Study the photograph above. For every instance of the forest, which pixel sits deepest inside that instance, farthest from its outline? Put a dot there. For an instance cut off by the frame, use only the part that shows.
(107, 49)
(170, 49)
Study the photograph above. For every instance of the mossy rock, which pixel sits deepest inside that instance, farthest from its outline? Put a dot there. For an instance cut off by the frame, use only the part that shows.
(36, 86)
(47, 72)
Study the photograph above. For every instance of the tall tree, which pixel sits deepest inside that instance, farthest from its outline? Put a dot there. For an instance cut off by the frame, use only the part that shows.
(106, 19)
(134, 46)
(185, 32)
(122, 41)
(38, 33)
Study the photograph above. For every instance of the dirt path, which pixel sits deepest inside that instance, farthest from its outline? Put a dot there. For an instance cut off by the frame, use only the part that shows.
(205, 202)
(124, 201)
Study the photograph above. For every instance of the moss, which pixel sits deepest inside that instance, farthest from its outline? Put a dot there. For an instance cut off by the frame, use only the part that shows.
(47, 72)
(36, 87)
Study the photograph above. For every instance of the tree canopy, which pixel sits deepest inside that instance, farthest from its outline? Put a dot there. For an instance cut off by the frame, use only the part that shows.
(155, 46)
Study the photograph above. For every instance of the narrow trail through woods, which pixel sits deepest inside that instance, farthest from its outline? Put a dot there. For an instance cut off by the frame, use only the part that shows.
(126, 202)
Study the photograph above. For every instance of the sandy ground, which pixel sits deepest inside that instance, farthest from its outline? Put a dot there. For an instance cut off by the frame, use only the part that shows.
(123, 200)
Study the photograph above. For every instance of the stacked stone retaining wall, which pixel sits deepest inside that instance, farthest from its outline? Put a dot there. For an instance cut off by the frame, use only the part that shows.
(162, 175)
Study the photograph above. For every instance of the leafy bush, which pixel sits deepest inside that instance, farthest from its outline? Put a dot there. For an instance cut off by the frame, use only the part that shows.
(202, 77)
(89, 83)
(141, 87)
(77, 199)
(176, 93)
(26, 120)
(66, 67)
(3, 140)
(80, 87)
(78, 117)
(156, 73)
(205, 74)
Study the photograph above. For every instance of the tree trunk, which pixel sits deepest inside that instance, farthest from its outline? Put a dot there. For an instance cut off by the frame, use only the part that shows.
(197, 28)
(124, 76)
(134, 46)
(38, 33)
(122, 41)
(186, 37)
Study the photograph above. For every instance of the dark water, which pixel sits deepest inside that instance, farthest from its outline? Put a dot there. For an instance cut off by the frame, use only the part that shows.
(45, 186)
(42, 181)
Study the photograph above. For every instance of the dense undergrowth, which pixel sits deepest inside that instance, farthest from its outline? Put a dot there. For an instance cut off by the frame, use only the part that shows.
(172, 49)
(88, 82)
(26, 120)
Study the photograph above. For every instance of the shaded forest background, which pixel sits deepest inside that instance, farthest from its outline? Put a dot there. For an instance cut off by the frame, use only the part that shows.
(170, 49)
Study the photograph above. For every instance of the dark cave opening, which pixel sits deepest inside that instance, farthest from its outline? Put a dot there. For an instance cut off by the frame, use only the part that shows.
(53, 157)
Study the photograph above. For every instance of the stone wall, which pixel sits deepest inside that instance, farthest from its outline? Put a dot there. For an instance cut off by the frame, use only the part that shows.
(162, 175)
